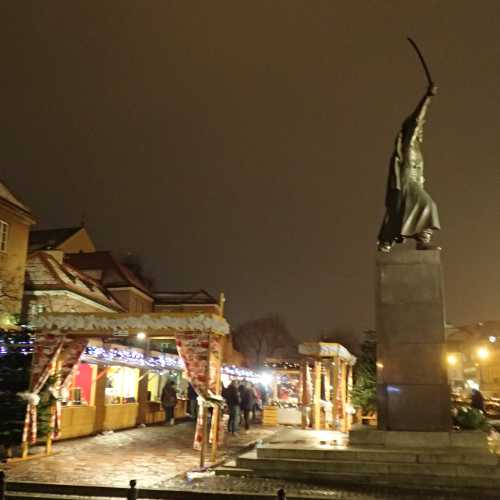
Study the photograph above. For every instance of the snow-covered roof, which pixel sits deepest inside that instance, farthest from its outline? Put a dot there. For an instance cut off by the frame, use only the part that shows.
(112, 322)
(7, 195)
(326, 350)
(45, 272)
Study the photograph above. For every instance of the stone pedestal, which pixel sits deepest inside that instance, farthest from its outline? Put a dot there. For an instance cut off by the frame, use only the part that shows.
(412, 386)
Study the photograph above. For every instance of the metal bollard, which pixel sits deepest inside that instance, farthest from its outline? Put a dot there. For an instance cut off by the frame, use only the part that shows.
(281, 494)
(132, 493)
(2, 485)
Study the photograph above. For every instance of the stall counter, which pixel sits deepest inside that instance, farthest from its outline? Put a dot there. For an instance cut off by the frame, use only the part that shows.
(120, 416)
(77, 420)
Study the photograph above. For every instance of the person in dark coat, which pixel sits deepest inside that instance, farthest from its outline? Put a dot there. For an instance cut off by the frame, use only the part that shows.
(168, 401)
(232, 397)
(247, 403)
(477, 400)
(410, 210)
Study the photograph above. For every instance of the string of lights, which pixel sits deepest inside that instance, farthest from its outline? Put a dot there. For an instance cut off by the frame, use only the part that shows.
(130, 357)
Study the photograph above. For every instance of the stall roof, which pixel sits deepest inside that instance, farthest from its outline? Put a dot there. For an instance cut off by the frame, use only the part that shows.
(326, 350)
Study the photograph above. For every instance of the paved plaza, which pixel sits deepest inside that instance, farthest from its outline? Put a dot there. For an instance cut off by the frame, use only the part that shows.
(152, 455)
(295, 489)
(158, 457)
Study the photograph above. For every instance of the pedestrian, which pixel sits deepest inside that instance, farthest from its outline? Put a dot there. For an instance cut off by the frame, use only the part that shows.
(258, 402)
(193, 402)
(247, 403)
(232, 396)
(168, 401)
(241, 390)
(477, 400)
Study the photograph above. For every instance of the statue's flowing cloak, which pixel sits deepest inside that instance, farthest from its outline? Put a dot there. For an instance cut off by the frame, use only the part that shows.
(409, 208)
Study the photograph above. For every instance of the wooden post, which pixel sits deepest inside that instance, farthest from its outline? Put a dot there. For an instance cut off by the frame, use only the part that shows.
(303, 378)
(335, 390)
(349, 392)
(327, 391)
(204, 440)
(55, 370)
(343, 389)
(24, 449)
(317, 395)
(217, 411)
(204, 417)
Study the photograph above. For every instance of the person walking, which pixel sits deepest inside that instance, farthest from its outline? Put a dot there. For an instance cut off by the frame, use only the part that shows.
(247, 403)
(168, 401)
(232, 396)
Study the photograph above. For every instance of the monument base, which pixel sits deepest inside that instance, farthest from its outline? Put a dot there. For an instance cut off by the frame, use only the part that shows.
(469, 441)
(451, 461)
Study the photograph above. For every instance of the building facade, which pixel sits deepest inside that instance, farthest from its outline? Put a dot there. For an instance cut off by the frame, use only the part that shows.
(15, 222)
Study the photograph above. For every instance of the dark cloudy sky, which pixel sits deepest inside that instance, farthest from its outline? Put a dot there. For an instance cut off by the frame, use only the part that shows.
(243, 145)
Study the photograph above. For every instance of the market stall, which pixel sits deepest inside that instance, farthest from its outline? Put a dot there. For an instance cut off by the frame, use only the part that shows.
(282, 405)
(199, 339)
(325, 399)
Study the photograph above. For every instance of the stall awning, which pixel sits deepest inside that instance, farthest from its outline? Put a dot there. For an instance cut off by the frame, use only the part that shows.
(125, 324)
(327, 350)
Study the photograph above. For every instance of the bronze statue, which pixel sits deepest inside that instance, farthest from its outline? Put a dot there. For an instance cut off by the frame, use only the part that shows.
(410, 211)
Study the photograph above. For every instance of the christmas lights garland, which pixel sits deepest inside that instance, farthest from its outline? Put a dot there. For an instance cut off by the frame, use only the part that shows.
(133, 358)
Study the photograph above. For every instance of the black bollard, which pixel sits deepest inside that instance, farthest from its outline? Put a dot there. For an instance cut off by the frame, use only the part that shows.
(132, 492)
(281, 494)
(2, 485)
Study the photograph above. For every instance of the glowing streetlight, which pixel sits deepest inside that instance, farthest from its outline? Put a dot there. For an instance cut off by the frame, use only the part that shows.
(452, 359)
(141, 335)
(483, 353)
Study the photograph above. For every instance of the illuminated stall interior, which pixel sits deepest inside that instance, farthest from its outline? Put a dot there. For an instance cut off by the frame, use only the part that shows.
(115, 372)
(283, 404)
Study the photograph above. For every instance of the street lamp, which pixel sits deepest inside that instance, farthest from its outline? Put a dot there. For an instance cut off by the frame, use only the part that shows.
(483, 353)
(452, 359)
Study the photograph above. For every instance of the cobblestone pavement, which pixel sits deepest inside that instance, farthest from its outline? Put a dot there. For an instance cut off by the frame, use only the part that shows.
(224, 484)
(151, 455)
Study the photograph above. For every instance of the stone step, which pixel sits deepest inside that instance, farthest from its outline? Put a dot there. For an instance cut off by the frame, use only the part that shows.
(446, 456)
(291, 467)
(230, 468)
(485, 479)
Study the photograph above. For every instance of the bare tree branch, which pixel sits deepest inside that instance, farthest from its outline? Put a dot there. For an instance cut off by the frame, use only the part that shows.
(262, 338)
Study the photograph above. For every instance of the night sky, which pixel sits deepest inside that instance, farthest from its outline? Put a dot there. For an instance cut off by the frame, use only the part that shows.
(243, 146)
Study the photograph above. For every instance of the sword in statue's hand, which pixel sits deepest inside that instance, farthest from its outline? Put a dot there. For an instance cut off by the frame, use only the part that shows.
(432, 86)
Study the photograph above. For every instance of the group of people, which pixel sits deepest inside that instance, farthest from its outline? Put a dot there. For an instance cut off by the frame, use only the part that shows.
(243, 399)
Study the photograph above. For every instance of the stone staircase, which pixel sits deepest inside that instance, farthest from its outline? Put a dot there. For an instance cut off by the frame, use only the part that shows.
(452, 468)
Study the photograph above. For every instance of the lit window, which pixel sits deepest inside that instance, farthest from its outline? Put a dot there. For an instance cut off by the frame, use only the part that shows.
(4, 232)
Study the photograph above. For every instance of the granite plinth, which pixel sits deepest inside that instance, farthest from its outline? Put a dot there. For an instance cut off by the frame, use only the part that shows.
(457, 460)
(412, 387)
(472, 441)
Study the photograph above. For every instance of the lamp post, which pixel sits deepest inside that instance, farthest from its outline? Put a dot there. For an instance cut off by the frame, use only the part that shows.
(483, 354)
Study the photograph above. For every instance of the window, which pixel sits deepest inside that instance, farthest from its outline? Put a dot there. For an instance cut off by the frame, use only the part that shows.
(4, 232)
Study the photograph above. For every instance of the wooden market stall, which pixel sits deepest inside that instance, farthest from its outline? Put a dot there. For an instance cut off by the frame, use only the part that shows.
(325, 392)
(283, 405)
(109, 389)
(63, 338)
